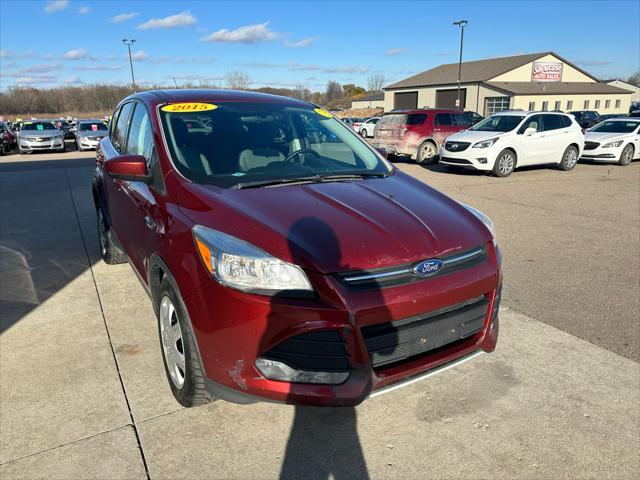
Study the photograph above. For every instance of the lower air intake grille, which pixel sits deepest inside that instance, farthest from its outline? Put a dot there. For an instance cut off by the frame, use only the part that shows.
(393, 342)
(591, 145)
(316, 351)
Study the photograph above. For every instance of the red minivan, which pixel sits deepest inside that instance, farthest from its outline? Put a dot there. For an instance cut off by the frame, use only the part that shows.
(419, 134)
(286, 259)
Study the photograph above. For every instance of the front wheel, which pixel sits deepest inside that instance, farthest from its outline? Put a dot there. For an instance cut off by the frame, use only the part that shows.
(179, 350)
(505, 164)
(626, 156)
(427, 153)
(363, 132)
(569, 159)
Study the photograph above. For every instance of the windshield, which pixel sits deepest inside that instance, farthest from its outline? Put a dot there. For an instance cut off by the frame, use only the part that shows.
(615, 127)
(38, 126)
(498, 123)
(92, 127)
(239, 143)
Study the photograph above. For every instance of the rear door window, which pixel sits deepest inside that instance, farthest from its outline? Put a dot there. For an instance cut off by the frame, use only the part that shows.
(552, 122)
(119, 136)
(462, 120)
(444, 119)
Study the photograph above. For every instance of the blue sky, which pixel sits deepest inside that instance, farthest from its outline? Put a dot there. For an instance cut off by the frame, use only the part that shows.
(283, 44)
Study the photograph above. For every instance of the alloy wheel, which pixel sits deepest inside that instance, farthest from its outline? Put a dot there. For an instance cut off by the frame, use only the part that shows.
(172, 342)
(428, 151)
(505, 164)
(571, 158)
(627, 154)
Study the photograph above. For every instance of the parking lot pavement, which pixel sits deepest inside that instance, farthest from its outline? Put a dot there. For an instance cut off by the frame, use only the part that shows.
(83, 393)
(570, 244)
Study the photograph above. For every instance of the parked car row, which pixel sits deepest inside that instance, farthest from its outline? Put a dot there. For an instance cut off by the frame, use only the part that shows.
(507, 140)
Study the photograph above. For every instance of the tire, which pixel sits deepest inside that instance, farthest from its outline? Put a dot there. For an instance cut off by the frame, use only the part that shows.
(179, 350)
(363, 132)
(505, 164)
(427, 153)
(569, 159)
(78, 147)
(626, 156)
(110, 253)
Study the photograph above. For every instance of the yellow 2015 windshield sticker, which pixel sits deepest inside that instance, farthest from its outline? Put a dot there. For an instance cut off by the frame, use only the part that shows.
(189, 107)
(323, 112)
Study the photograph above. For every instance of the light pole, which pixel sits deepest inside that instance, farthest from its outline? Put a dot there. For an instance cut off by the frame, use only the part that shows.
(128, 43)
(461, 24)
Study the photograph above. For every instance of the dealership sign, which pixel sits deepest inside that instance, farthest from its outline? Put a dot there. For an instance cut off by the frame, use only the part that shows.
(546, 72)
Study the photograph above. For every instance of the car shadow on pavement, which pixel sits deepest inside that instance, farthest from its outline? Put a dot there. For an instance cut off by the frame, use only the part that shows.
(42, 249)
(323, 442)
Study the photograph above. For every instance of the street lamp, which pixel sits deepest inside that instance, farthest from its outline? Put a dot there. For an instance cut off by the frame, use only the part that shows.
(128, 43)
(461, 24)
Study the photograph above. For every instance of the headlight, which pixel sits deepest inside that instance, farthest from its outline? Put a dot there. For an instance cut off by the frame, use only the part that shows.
(483, 218)
(240, 265)
(485, 143)
(613, 144)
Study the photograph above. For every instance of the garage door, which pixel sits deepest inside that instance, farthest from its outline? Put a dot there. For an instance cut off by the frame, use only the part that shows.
(405, 100)
(447, 98)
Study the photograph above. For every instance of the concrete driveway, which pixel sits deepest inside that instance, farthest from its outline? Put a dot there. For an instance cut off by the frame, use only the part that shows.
(83, 393)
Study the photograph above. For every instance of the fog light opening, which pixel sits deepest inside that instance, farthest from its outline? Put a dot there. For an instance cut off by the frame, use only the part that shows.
(275, 370)
(482, 160)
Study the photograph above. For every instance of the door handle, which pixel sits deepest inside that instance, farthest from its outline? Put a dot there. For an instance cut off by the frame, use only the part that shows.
(149, 222)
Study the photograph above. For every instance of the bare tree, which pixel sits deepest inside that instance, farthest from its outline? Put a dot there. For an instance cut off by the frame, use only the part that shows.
(301, 92)
(334, 91)
(237, 80)
(634, 79)
(375, 82)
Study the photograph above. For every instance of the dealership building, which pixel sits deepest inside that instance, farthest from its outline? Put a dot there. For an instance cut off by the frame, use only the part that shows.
(536, 81)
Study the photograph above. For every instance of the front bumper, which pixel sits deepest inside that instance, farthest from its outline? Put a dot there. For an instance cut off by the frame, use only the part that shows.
(471, 158)
(234, 329)
(45, 144)
(603, 154)
(86, 142)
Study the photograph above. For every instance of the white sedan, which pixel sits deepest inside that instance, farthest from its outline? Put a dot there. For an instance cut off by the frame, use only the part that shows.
(615, 140)
(368, 126)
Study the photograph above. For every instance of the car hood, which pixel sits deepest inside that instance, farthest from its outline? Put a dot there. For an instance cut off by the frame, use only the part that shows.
(604, 137)
(341, 226)
(473, 136)
(40, 133)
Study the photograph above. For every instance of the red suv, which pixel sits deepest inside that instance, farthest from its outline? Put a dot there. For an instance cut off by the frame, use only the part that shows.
(418, 133)
(285, 258)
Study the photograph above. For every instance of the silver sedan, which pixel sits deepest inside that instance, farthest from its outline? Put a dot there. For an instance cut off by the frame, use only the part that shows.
(89, 133)
(39, 135)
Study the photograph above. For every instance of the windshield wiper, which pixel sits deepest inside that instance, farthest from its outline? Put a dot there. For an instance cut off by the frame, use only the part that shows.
(312, 179)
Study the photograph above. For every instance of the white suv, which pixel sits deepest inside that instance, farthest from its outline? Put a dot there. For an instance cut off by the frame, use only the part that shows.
(507, 140)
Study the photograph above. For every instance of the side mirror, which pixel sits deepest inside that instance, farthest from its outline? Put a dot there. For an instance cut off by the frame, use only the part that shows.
(530, 131)
(382, 152)
(130, 168)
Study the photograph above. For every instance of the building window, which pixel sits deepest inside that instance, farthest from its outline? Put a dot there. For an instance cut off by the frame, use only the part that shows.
(532, 106)
(557, 105)
(569, 105)
(617, 103)
(597, 104)
(607, 104)
(586, 105)
(495, 104)
(545, 106)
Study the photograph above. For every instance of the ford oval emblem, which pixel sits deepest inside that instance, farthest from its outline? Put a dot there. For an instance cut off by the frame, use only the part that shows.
(429, 267)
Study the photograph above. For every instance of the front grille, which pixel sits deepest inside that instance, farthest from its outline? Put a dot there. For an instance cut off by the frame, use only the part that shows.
(591, 145)
(460, 161)
(394, 342)
(316, 351)
(400, 274)
(456, 146)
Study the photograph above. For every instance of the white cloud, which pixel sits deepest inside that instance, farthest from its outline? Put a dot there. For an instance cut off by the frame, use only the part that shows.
(181, 19)
(139, 55)
(300, 43)
(123, 17)
(74, 80)
(84, 10)
(99, 67)
(56, 6)
(257, 33)
(41, 68)
(78, 54)
(5, 53)
(392, 52)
